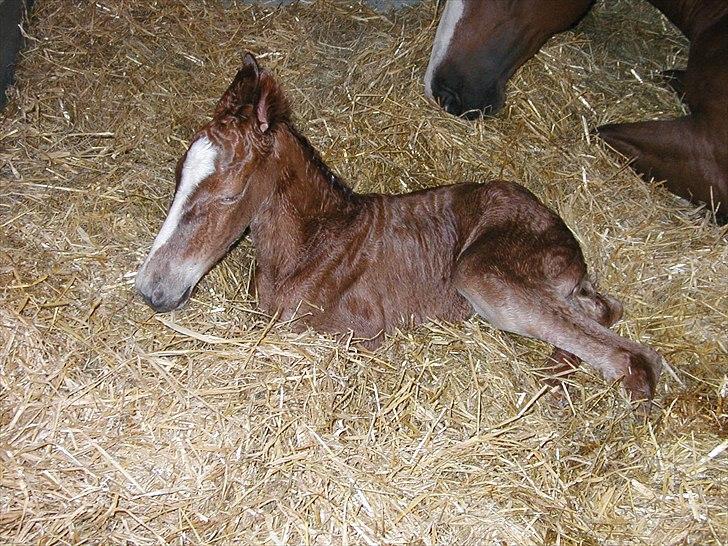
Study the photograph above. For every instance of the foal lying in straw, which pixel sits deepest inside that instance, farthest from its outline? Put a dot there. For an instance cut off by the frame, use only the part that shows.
(366, 263)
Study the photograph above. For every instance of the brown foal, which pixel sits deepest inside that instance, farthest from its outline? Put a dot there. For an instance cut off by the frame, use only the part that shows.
(366, 263)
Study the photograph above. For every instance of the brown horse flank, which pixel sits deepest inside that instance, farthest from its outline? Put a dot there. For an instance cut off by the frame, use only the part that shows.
(479, 45)
(689, 153)
(347, 262)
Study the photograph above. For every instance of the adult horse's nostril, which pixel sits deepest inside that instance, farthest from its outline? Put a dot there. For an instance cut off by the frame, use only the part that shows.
(448, 99)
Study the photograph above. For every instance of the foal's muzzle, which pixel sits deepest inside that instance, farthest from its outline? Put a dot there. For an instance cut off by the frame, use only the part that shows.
(162, 302)
(165, 286)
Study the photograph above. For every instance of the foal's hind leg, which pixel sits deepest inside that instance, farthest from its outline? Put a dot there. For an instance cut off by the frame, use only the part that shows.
(519, 279)
(602, 308)
(540, 314)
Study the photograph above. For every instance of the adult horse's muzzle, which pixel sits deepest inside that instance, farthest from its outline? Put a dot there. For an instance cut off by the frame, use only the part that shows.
(460, 97)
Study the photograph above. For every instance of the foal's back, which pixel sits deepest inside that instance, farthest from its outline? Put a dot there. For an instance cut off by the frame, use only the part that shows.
(391, 259)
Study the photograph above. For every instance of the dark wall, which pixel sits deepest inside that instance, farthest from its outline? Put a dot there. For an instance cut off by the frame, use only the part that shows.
(11, 41)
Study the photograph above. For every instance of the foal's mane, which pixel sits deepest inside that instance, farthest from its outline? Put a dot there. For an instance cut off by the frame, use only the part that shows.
(313, 155)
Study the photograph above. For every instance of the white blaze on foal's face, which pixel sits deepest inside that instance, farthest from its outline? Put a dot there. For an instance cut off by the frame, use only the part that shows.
(222, 181)
(174, 264)
(198, 165)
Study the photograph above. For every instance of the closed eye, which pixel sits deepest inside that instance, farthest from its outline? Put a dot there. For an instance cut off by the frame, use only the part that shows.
(230, 199)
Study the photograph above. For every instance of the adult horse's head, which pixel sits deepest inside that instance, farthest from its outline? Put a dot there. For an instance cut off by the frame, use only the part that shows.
(479, 44)
(222, 180)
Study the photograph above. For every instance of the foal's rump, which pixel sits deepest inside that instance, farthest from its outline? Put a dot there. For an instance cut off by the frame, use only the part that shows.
(519, 242)
(535, 236)
(524, 272)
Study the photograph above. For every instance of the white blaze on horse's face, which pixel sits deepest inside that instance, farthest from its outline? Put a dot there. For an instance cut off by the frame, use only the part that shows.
(451, 16)
(471, 41)
(169, 273)
(198, 165)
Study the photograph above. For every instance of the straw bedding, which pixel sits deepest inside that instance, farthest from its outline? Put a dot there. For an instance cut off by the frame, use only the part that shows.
(215, 424)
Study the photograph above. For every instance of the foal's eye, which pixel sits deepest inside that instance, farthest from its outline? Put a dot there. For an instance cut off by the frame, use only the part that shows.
(229, 200)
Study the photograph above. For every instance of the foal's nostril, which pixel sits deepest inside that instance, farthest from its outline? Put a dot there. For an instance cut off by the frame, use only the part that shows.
(157, 297)
(163, 303)
(146, 298)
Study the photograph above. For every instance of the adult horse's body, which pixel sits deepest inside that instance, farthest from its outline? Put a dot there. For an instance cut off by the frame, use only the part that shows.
(480, 44)
(12, 14)
(347, 262)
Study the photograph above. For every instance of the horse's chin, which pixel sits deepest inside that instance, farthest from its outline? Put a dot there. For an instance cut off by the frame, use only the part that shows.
(481, 113)
(476, 112)
(486, 104)
(490, 110)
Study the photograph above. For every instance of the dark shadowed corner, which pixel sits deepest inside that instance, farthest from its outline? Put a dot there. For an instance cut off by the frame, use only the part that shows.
(12, 14)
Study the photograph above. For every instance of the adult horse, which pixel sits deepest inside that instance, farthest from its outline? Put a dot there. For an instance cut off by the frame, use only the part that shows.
(479, 44)
(12, 13)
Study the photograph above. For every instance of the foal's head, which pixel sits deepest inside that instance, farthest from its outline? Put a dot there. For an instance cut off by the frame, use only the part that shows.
(222, 180)
(479, 44)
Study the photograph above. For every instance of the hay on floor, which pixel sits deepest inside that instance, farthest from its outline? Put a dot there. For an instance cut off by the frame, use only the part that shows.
(215, 425)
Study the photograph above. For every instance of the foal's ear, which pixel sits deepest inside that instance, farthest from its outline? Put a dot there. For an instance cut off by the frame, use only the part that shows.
(242, 91)
(272, 105)
(253, 92)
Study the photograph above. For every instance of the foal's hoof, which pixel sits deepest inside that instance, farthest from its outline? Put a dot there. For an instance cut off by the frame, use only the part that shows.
(640, 381)
(562, 365)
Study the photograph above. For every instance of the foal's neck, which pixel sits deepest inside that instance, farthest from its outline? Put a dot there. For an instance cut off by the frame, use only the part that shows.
(306, 184)
(306, 194)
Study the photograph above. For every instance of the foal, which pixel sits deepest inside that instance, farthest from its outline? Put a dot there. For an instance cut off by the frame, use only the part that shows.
(344, 261)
